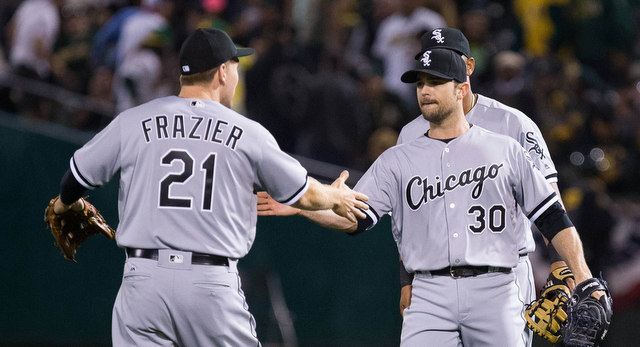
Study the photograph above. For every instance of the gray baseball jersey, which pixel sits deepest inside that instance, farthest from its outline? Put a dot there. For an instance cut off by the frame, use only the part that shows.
(502, 119)
(188, 172)
(457, 203)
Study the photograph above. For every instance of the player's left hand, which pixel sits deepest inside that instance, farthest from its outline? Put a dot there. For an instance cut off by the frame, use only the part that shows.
(71, 224)
(267, 206)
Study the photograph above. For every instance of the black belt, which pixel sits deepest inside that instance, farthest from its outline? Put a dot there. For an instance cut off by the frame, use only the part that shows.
(466, 271)
(196, 258)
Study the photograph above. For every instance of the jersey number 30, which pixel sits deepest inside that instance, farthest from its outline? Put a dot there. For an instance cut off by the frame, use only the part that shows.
(208, 166)
(495, 219)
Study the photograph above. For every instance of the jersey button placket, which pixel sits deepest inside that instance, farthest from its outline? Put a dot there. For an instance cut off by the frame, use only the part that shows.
(450, 206)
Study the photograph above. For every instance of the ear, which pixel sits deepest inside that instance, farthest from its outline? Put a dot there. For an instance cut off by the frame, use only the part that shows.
(222, 73)
(463, 90)
(471, 65)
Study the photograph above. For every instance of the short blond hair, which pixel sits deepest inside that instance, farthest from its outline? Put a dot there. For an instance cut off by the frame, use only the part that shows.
(200, 78)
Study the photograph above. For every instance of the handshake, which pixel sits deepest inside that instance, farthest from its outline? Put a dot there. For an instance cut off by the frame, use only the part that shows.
(322, 203)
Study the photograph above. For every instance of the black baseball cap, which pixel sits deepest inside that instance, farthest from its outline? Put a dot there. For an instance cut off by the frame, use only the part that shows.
(443, 63)
(207, 48)
(449, 38)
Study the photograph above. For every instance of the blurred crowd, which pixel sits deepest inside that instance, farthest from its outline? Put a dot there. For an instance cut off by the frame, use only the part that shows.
(325, 77)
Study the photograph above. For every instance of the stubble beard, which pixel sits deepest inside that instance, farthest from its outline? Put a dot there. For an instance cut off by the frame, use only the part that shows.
(439, 115)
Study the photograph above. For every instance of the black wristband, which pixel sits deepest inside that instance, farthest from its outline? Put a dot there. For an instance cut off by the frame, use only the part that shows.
(405, 277)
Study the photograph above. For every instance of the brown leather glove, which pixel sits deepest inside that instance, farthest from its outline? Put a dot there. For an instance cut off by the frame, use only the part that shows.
(71, 228)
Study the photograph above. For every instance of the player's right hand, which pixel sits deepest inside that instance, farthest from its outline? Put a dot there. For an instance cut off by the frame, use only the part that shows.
(405, 298)
(351, 203)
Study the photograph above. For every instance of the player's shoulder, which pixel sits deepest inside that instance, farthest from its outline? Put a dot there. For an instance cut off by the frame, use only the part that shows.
(489, 106)
(413, 129)
(155, 106)
(487, 136)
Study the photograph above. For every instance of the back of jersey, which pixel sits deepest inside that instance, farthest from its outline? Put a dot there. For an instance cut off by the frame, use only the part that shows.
(188, 172)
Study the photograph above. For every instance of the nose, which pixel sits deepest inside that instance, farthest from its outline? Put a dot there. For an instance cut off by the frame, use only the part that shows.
(424, 89)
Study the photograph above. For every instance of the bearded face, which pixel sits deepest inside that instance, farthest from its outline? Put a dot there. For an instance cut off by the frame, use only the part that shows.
(436, 97)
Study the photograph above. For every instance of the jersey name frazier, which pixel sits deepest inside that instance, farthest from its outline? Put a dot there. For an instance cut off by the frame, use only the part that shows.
(192, 128)
(432, 191)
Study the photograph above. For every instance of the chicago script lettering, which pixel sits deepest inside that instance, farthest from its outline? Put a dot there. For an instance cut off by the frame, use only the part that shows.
(432, 191)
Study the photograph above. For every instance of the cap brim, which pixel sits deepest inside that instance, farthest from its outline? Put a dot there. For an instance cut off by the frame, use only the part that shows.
(411, 76)
(243, 52)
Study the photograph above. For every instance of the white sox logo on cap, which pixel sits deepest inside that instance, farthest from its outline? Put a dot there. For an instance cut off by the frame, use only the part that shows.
(425, 60)
(437, 35)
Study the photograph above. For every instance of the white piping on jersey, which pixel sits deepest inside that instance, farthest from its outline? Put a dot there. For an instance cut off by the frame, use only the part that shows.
(544, 208)
(78, 176)
(371, 215)
(300, 193)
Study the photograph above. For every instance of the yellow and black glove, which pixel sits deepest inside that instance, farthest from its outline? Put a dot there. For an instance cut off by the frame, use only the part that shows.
(547, 315)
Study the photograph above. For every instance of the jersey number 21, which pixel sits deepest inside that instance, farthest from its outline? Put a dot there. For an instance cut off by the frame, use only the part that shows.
(208, 166)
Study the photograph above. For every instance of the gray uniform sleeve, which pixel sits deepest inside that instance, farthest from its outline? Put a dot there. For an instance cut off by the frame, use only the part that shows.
(532, 191)
(279, 174)
(98, 160)
(531, 139)
(379, 184)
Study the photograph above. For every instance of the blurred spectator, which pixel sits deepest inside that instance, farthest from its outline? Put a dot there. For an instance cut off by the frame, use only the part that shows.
(153, 15)
(397, 42)
(380, 140)
(277, 86)
(99, 89)
(33, 30)
(138, 78)
(70, 61)
(510, 84)
(383, 108)
(335, 127)
(103, 50)
(475, 23)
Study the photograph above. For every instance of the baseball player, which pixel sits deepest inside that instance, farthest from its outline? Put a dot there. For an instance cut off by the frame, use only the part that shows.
(455, 196)
(188, 167)
(497, 117)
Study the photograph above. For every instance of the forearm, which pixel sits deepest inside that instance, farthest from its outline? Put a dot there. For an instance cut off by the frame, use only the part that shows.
(567, 243)
(329, 219)
(317, 197)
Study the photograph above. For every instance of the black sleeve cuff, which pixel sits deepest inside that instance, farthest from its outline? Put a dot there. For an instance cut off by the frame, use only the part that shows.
(70, 189)
(553, 220)
(363, 224)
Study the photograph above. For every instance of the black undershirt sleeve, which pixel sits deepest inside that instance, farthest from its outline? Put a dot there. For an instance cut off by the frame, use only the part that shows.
(552, 221)
(70, 189)
(363, 224)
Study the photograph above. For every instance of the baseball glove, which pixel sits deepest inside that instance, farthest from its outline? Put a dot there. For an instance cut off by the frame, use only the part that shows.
(589, 318)
(546, 315)
(71, 228)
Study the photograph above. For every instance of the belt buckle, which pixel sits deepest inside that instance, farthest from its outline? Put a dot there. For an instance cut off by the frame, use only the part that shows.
(453, 272)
